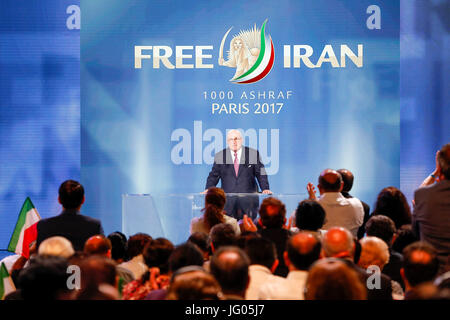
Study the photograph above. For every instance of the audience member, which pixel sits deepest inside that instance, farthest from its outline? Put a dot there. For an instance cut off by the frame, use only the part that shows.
(339, 243)
(222, 234)
(332, 279)
(348, 178)
(302, 251)
(194, 284)
(391, 202)
(97, 270)
(263, 262)
(310, 216)
(213, 213)
(100, 245)
(56, 246)
(22, 262)
(272, 213)
(432, 207)
(156, 257)
(229, 265)
(201, 240)
(375, 252)
(340, 211)
(70, 224)
(420, 265)
(423, 291)
(118, 246)
(384, 228)
(135, 247)
(404, 237)
(44, 279)
(245, 237)
(184, 255)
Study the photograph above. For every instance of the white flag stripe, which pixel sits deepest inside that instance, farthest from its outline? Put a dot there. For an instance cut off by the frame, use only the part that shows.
(32, 217)
(8, 285)
(264, 62)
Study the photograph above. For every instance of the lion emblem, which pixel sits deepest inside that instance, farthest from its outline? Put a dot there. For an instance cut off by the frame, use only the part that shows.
(244, 50)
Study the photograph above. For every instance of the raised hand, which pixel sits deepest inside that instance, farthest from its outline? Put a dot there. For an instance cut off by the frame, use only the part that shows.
(311, 191)
(248, 224)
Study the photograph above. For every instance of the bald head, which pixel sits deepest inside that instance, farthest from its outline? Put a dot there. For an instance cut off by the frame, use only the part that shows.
(338, 242)
(330, 181)
(303, 242)
(302, 250)
(98, 244)
(229, 265)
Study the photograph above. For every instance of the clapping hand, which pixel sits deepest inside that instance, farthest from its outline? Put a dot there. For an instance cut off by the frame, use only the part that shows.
(311, 191)
(248, 224)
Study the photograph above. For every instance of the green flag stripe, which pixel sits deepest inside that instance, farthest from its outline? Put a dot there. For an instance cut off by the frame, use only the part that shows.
(261, 53)
(27, 206)
(3, 274)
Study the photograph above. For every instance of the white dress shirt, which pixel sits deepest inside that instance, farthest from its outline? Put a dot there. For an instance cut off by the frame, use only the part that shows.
(198, 225)
(342, 212)
(259, 275)
(290, 288)
(239, 153)
(136, 265)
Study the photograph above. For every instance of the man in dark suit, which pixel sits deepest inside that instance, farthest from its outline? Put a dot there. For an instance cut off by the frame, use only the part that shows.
(348, 178)
(70, 224)
(431, 216)
(238, 168)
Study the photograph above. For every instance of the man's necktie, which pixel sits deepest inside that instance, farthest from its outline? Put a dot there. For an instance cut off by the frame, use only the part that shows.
(236, 164)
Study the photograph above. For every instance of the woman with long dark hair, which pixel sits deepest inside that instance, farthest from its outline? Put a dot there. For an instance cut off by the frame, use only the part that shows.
(392, 203)
(213, 213)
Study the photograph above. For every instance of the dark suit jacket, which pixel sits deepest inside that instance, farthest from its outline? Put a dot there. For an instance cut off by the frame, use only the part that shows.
(385, 290)
(250, 169)
(392, 268)
(431, 217)
(71, 225)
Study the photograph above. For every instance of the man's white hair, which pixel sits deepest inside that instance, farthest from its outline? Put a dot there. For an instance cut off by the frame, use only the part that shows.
(374, 251)
(234, 131)
(56, 246)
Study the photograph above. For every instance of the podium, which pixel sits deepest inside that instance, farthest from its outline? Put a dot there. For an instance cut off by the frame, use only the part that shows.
(169, 215)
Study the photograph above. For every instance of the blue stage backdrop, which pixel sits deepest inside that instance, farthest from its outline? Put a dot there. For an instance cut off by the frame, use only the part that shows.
(39, 106)
(311, 84)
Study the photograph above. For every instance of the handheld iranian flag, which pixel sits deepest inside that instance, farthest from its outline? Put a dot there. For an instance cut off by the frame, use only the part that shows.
(25, 231)
(6, 283)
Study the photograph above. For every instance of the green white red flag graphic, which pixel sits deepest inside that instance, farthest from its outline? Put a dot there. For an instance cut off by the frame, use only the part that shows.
(25, 231)
(263, 64)
(6, 283)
